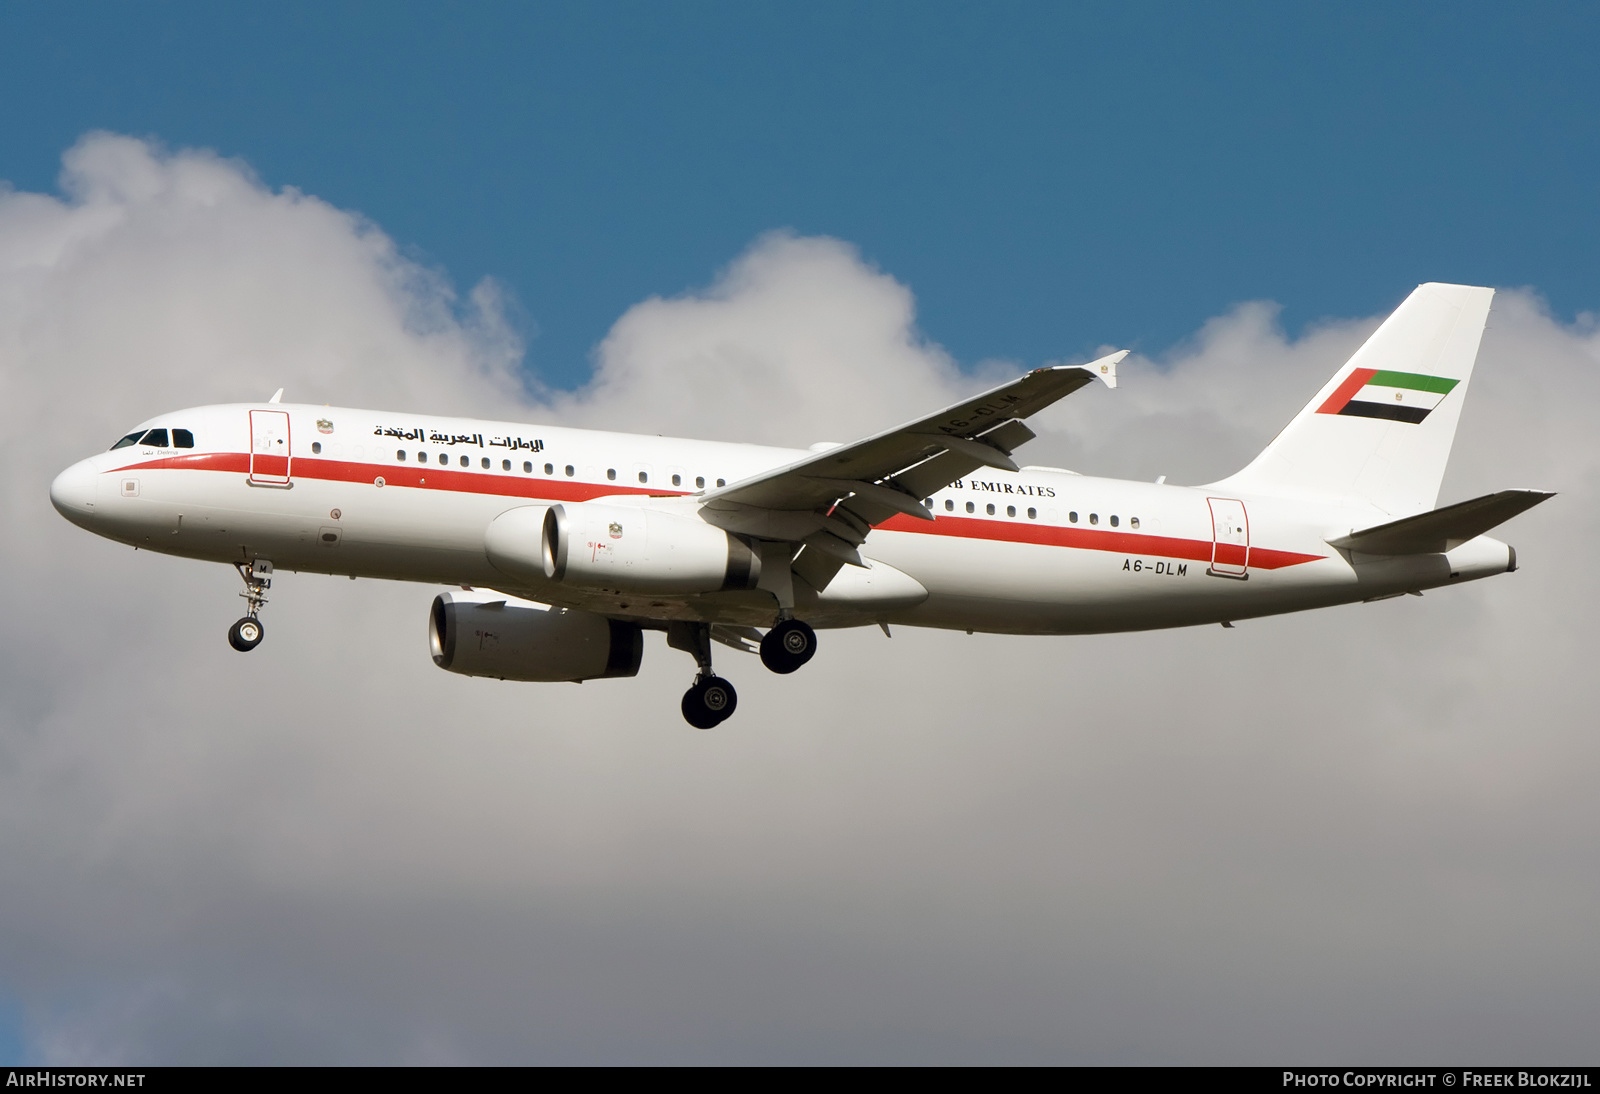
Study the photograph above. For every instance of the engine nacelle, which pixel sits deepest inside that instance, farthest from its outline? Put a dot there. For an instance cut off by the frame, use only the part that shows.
(601, 546)
(485, 634)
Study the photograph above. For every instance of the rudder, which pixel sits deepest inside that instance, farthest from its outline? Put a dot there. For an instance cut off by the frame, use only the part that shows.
(1381, 429)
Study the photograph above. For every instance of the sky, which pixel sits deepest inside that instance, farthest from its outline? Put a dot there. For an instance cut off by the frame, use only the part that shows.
(1366, 833)
(1045, 176)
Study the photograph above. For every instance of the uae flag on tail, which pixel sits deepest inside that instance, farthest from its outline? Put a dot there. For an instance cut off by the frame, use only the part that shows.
(1395, 396)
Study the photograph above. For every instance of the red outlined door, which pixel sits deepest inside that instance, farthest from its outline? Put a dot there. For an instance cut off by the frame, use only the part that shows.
(1230, 538)
(269, 447)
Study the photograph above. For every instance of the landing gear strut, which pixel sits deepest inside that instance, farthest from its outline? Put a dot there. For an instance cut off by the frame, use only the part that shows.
(246, 634)
(712, 699)
(788, 645)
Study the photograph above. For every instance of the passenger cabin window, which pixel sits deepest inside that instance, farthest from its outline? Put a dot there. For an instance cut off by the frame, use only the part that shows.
(569, 471)
(611, 474)
(486, 464)
(1133, 522)
(527, 466)
(400, 454)
(1094, 518)
(1073, 516)
(989, 509)
(722, 482)
(444, 459)
(549, 469)
(1011, 510)
(677, 480)
(971, 508)
(1033, 514)
(1113, 520)
(949, 505)
(644, 476)
(182, 438)
(316, 448)
(699, 482)
(465, 462)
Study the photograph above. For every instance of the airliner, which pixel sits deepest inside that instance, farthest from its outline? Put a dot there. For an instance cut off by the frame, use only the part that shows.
(562, 546)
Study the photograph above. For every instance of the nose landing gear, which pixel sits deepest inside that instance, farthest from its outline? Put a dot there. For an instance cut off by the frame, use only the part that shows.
(246, 634)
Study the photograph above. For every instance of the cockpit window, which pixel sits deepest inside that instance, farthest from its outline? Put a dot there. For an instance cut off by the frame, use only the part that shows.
(157, 438)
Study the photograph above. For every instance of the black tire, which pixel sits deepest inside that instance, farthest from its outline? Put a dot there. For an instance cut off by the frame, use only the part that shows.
(788, 646)
(695, 712)
(246, 634)
(709, 703)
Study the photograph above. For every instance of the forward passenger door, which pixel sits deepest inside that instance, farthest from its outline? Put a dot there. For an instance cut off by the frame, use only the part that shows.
(269, 447)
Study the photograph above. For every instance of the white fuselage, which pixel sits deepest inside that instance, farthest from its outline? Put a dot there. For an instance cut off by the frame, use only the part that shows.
(1039, 551)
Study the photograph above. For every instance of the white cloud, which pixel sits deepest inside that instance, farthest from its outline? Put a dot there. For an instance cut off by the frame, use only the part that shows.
(1364, 833)
(799, 326)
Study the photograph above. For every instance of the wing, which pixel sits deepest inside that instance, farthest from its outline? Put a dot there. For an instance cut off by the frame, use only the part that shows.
(829, 501)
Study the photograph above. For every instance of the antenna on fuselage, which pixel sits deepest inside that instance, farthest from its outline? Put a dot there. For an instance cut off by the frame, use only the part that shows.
(277, 396)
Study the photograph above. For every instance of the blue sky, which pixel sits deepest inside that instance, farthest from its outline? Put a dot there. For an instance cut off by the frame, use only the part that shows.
(1046, 178)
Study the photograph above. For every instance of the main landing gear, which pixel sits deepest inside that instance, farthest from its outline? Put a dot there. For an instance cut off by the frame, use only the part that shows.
(246, 634)
(710, 702)
(712, 699)
(787, 646)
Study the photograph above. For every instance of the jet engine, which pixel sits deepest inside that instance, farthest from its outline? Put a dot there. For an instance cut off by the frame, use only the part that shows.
(600, 546)
(486, 634)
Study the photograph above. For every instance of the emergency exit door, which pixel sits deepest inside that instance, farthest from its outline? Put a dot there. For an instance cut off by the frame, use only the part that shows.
(1230, 538)
(269, 447)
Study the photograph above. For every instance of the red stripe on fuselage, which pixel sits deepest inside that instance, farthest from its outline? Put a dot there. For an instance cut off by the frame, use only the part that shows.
(199, 461)
(1087, 539)
(416, 477)
(503, 485)
(1347, 390)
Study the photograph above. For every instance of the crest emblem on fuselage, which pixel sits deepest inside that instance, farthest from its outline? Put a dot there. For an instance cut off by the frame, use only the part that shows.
(616, 530)
(324, 425)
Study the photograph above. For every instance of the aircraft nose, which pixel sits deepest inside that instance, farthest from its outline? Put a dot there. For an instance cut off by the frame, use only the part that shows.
(72, 493)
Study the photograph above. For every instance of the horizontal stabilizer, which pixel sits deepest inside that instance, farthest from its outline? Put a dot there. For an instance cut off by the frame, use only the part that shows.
(1442, 529)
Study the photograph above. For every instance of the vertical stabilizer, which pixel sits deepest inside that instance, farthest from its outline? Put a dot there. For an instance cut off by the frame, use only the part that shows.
(1380, 431)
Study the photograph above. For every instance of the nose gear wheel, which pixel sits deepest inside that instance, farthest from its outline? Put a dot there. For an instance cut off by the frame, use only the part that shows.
(246, 634)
